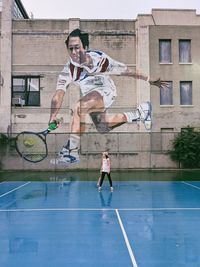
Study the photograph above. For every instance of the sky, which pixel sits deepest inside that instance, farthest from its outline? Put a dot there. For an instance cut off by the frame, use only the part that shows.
(101, 9)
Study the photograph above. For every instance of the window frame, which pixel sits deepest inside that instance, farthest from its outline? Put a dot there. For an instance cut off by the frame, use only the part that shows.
(25, 92)
(190, 52)
(189, 82)
(162, 89)
(170, 52)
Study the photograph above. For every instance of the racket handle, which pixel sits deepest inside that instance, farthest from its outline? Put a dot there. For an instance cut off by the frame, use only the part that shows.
(54, 125)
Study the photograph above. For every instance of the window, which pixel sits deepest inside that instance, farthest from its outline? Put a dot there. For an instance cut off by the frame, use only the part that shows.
(186, 93)
(185, 51)
(166, 95)
(165, 51)
(26, 89)
(161, 141)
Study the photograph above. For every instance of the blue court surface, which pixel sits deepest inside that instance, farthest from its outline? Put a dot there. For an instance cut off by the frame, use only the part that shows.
(69, 223)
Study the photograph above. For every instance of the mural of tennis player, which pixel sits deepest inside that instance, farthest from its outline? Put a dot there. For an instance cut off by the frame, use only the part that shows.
(90, 69)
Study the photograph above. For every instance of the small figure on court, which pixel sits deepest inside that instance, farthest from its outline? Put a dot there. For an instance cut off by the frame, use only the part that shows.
(105, 169)
(91, 70)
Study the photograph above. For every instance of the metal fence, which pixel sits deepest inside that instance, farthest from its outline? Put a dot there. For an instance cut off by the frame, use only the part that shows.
(127, 151)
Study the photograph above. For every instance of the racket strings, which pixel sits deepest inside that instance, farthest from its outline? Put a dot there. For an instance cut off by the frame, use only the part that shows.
(32, 147)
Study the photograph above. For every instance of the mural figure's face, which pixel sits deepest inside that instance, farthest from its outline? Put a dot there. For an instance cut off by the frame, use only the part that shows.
(76, 50)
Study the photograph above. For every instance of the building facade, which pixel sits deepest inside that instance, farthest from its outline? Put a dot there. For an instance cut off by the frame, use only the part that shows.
(163, 44)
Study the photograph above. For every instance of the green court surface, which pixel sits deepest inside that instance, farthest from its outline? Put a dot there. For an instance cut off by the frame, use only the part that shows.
(117, 175)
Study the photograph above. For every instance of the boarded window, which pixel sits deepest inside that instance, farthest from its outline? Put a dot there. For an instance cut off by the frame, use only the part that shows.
(186, 93)
(185, 51)
(166, 95)
(165, 51)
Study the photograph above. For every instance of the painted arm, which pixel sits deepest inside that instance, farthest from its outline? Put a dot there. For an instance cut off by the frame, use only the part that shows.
(156, 82)
(56, 104)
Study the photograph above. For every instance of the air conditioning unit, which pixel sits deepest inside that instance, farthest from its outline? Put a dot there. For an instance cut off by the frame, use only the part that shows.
(18, 101)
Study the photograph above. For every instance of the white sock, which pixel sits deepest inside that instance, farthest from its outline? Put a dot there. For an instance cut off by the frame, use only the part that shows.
(132, 115)
(73, 142)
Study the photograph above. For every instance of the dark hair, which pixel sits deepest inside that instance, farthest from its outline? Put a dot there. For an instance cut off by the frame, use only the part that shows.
(106, 156)
(77, 33)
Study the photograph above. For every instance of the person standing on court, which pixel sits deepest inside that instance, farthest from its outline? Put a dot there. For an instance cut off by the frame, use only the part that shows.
(105, 170)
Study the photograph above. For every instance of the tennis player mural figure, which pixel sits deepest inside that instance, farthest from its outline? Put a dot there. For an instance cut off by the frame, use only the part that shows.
(90, 69)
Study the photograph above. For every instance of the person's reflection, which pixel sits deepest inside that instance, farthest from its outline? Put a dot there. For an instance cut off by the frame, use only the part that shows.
(102, 198)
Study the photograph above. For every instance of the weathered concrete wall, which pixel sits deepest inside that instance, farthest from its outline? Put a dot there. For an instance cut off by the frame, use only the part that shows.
(6, 61)
(124, 149)
(176, 116)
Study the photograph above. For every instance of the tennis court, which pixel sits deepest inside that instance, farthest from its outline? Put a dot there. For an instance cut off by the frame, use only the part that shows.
(62, 220)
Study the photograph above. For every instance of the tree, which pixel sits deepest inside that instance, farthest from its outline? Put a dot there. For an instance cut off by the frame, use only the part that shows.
(186, 149)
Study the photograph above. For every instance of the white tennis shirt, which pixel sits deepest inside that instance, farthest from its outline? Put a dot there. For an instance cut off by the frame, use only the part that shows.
(105, 165)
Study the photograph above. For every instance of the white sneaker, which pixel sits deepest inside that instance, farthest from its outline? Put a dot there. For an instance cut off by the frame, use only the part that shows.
(111, 189)
(145, 111)
(98, 182)
(99, 188)
(66, 156)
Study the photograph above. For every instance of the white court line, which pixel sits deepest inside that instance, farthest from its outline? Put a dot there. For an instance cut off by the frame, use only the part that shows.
(197, 187)
(56, 209)
(14, 189)
(99, 209)
(158, 209)
(126, 240)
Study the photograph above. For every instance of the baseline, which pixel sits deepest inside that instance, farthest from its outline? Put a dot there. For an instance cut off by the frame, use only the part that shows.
(100, 209)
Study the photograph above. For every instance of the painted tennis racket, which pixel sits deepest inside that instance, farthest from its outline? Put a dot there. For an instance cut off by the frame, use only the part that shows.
(32, 146)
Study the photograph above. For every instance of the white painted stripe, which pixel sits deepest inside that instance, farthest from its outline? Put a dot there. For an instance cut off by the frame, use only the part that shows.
(55, 209)
(96, 209)
(14, 189)
(159, 209)
(126, 240)
(197, 187)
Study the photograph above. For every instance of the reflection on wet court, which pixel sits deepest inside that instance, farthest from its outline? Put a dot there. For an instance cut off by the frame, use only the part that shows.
(63, 220)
